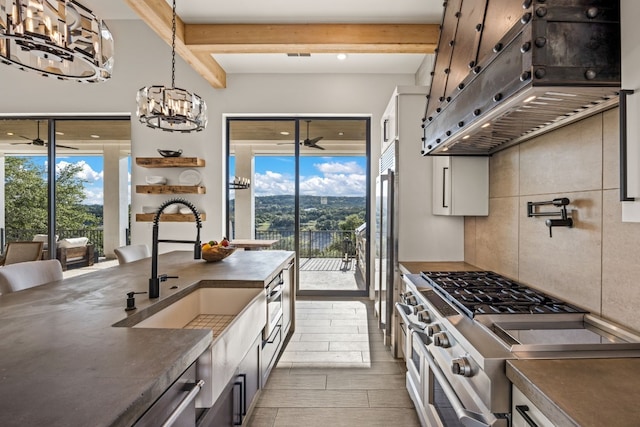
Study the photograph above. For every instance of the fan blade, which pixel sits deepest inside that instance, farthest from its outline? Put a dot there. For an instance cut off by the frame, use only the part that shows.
(21, 143)
(22, 136)
(317, 146)
(66, 146)
(314, 140)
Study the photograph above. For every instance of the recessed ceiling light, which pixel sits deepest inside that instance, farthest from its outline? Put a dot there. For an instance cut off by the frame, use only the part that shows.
(342, 56)
(95, 136)
(341, 133)
(10, 133)
(284, 132)
(59, 133)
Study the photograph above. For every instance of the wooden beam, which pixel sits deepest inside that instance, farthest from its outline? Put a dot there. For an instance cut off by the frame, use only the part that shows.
(196, 43)
(311, 38)
(157, 14)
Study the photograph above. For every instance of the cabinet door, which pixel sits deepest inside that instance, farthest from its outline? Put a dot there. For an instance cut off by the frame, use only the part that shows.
(460, 186)
(441, 203)
(523, 408)
(389, 124)
(249, 374)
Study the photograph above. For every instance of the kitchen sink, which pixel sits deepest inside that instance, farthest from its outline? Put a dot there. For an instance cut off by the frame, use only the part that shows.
(235, 315)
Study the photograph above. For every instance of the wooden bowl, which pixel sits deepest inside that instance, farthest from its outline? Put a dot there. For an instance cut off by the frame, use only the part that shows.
(217, 253)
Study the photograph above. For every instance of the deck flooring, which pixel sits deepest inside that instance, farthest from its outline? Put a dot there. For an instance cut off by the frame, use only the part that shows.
(326, 264)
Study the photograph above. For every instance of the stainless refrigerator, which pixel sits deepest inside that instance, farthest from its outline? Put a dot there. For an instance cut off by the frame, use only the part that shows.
(386, 249)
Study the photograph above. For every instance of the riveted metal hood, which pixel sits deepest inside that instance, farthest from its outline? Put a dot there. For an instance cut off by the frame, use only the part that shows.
(508, 70)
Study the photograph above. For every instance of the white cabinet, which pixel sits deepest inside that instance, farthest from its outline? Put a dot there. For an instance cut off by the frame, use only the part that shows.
(388, 124)
(399, 110)
(629, 11)
(522, 408)
(460, 186)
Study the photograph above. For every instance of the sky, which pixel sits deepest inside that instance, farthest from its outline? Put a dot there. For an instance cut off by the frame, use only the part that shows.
(319, 176)
(274, 175)
(92, 173)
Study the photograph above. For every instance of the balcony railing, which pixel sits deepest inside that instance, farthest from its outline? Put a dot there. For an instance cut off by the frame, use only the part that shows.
(313, 244)
(95, 236)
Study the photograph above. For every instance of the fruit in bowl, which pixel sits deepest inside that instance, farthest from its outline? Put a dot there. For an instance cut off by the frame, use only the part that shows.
(213, 251)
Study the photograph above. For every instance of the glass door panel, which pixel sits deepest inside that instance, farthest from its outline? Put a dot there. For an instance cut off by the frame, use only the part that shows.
(333, 205)
(308, 190)
(23, 150)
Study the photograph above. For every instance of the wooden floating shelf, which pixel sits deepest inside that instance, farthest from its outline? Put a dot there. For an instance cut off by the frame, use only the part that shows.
(170, 189)
(144, 217)
(170, 162)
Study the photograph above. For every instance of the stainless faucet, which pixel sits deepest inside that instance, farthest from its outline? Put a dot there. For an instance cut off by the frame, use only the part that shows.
(154, 281)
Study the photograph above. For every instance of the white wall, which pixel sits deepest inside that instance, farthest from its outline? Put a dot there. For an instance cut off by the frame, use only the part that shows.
(142, 59)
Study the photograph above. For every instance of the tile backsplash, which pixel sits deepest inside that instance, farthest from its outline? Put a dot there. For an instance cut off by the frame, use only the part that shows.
(595, 264)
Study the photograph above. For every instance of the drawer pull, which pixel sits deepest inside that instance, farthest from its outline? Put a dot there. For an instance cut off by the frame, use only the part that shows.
(184, 404)
(522, 410)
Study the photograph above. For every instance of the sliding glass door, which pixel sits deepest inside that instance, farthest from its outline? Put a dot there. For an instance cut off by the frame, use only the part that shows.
(57, 174)
(308, 187)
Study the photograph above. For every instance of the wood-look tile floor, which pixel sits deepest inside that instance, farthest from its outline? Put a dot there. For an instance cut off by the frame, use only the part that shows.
(335, 371)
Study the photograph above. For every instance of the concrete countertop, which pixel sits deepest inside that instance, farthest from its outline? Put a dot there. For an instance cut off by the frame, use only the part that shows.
(63, 362)
(415, 267)
(581, 392)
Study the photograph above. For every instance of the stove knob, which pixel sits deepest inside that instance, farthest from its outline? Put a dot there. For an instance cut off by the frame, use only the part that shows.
(411, 299)
(433, 329)
(461, 366)
(441, 340)
(424, 316)
(418, 308)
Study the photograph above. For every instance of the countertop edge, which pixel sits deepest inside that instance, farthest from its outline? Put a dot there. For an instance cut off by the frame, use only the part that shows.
(547, 406)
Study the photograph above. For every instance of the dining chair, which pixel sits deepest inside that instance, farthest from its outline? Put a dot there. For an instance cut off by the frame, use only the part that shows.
(132, 253)
(17, 252)
(25, 275)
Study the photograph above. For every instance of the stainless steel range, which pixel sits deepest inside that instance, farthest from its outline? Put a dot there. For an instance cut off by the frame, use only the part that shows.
(461, 327)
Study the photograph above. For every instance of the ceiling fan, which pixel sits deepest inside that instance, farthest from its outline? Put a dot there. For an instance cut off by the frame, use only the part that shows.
(312, 143)
(40, 142)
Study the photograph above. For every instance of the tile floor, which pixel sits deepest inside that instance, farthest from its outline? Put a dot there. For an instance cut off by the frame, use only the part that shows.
(335, 372)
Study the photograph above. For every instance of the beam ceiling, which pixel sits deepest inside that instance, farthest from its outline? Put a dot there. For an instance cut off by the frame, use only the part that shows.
(197, 43)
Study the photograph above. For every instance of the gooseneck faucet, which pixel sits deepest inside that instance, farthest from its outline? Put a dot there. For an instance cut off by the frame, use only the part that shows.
(154, 281)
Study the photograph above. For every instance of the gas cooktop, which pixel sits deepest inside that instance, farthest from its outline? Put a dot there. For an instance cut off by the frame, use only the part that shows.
(486, 292)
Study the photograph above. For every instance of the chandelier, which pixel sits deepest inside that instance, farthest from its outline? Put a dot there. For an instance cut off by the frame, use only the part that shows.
(60, 39)
(171, 109)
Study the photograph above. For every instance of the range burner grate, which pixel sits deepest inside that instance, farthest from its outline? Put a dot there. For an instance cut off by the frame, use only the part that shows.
(486, 292)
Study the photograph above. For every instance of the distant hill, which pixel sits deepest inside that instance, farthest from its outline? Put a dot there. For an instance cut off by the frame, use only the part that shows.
(316, 212)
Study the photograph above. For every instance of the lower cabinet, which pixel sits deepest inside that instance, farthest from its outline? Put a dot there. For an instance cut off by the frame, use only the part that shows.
(177, 403)
(235, 402)
(524, 413)
(270, 349)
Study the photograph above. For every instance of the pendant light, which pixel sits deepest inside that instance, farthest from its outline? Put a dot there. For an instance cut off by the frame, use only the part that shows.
(61, 39)
(171, 109)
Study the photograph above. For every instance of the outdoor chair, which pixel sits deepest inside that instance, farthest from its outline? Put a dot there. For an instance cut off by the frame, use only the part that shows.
(17, 252)
(132, 253)
(25, 275)
(74, 251)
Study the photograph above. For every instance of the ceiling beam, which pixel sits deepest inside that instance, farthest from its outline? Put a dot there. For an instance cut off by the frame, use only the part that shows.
(196, 43)
(312, 38)
(157, 14)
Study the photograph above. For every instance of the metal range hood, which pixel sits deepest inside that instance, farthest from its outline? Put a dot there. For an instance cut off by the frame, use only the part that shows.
(508, 70)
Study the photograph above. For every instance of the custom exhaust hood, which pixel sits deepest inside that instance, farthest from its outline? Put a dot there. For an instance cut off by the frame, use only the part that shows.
(508, 70)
